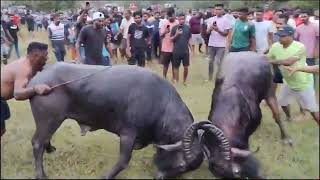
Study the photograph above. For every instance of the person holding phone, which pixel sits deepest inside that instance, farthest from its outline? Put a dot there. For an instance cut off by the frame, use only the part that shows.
(218, 28)
(167, 44)
(180, 35)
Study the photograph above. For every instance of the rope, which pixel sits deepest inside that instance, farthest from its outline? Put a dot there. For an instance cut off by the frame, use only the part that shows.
(83, 77)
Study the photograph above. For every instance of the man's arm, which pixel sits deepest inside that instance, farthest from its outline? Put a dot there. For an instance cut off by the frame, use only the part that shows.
(285, 62)
(175, 33)
(253, 46)
(270, 40)
(21, 92)
(229, 39)
(79, 40)
(307, 69)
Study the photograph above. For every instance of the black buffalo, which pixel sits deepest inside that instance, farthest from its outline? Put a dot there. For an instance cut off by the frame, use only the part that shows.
(243, 81)
(131, 102)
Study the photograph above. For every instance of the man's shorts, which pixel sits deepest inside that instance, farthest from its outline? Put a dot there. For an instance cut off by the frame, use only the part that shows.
(306, 98)
(178, 58)
(196, 39)
(5, 113)
(166, 58)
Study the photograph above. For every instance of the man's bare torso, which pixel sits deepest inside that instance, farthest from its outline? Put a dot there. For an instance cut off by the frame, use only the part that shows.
(17, 70)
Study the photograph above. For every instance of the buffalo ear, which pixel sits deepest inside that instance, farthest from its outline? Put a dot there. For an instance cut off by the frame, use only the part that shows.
(170, 147)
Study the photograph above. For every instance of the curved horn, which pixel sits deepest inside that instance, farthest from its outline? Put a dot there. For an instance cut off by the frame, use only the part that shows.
(223, 141)
(188, 140)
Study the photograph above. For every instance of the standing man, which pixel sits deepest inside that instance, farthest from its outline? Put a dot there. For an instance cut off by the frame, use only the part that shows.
(180, 35)
(138, 40)
(149, 25)
(5, 43)
(288, 52)
(264, 33)
(124, 27)
(16, 75)
(308, 34)
(156, 35)
(218, 29)
(116, 37)
(195, 25)
(14, 32)
(30, 23)
(116, 16)
(243, 36)
(57, 36)
(93, 37)
(167, 44)
(82, 21)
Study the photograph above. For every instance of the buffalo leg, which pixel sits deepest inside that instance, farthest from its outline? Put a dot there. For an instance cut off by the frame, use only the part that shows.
(126, 147)
(50, 148)
(273, 105)
(40, 142)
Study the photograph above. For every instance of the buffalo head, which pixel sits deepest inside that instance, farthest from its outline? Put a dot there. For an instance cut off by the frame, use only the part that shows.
(226, 161)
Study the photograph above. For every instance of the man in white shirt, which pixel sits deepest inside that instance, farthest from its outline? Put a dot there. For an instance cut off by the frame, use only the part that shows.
(218, 27)
(124, 27)
(264, 33)
(57, 36)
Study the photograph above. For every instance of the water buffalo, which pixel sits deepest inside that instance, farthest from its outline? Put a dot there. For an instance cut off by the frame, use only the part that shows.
(131, 102)
(244, 80)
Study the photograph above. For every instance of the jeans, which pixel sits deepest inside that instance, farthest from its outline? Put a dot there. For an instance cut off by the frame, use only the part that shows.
(59, 50)
(106, 61)
(149, 51)
(156, 45)
(16, 46)
(82, 54)
(216, 55)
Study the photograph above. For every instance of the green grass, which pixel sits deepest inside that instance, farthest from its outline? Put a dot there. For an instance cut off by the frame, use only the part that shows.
(94, 155)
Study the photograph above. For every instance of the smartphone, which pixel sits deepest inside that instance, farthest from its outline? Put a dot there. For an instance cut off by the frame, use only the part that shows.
(87, 3)
(214, 23)
(168, 26)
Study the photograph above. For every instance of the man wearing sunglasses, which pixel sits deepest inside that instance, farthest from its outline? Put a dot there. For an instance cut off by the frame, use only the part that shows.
(93, 36)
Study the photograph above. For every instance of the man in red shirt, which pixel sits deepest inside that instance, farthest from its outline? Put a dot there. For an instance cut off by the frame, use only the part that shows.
(195, 25)
(16, 19)
(297, 19)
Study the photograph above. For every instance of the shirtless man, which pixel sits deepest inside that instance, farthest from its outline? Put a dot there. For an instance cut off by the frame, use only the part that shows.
(16, 75)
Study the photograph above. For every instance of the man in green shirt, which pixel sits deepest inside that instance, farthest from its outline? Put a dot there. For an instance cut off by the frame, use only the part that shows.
(288, 52)
(243, 36)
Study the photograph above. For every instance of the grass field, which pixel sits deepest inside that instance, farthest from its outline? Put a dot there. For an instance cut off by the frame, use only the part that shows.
(93, 155)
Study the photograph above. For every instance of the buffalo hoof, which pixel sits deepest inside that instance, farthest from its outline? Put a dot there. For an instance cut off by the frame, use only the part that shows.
(50, 149)
(287, 141)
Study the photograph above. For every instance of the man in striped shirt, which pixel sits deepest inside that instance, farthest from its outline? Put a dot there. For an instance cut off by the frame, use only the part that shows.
(57, 37)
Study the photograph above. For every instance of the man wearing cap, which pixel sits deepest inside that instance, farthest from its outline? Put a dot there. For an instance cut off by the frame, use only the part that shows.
(288, 52)
(93, 36)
